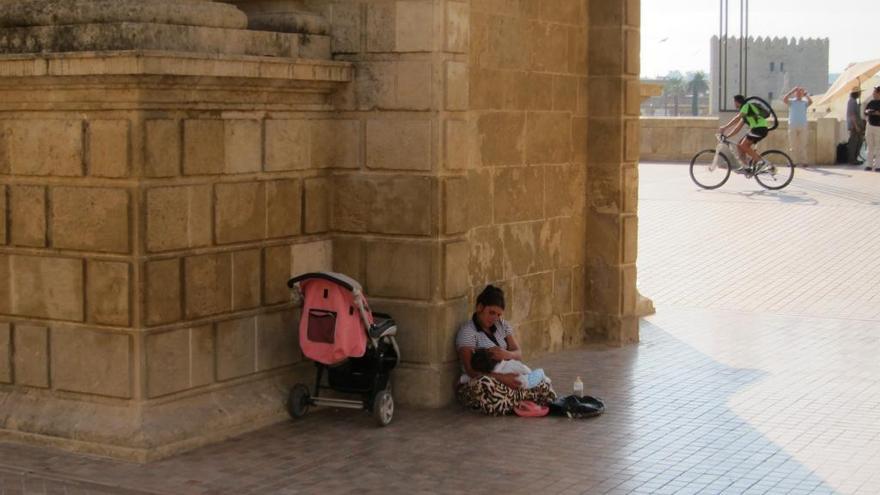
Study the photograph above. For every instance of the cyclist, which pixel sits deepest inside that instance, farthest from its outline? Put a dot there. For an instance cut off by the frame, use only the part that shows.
(750, 115)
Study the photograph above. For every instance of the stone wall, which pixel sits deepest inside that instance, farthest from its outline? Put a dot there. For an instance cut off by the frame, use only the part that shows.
(154, 203)
(154, 206)
(679, 139)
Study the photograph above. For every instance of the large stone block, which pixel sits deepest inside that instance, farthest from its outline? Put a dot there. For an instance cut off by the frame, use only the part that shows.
(606, 50)
(336, 143)
(532, 297)
(31, 356)
(605, 140)
(456, 205)
(501, 137)
(203, 149)
(236, 348)
(179, 360)
(240, 212)
(311, 257)
(276, 272)
(45, 287)
(283, 208)
(277, 339)
(506, 44)
(90, 219)
(162, 148)
(532, 91)
(413, 88)
(380, 27)
(565, 93)
(605, 234)
(457, 26)
(456, 261)
(246, 267)
(109, 148)
(414, 26)
(481, 202)
(207, 284)
(548, 138)
(27, 216)
(456, 86)
(548, 47)
(563, 189)
(425, 385)
(387, 260)
(317, 202)
(178, 217)
(167, 356)
(519, 194)
(348, 257)
(487, 256)
(3, 214)
(287, 145)
(42, 147)
(456, 144)
(107, 292)
(107, 371)
(403, 205)
(521, 248)
(5, 352)
(427, 331)
(163, 294)
(352, 216)
(347, 27)
(243, 145)
(562, 291)
(399, 145)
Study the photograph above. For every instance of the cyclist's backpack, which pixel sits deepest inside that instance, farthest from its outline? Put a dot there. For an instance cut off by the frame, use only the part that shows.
(764, 110)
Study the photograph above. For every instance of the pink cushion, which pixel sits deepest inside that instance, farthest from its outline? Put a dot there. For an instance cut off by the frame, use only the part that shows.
(529, 409)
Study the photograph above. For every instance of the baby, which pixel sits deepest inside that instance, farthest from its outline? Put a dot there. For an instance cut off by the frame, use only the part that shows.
(482, 361)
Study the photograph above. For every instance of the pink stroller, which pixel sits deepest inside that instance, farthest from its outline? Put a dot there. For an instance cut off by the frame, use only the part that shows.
(355, 346)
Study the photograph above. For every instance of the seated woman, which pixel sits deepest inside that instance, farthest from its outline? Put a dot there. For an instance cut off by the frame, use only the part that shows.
(493, 393)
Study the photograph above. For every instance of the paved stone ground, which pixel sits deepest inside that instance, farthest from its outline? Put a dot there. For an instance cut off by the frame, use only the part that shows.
(758, 375)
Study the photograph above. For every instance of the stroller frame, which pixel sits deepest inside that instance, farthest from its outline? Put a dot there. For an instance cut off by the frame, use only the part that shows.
(368, 376)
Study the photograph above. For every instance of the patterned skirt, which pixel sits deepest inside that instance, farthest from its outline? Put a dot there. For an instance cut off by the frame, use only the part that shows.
(492, 397)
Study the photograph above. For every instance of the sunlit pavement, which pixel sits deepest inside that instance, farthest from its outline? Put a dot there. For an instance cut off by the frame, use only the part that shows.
(758, 374)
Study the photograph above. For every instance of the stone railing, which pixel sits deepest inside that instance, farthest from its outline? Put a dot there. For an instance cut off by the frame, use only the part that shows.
(679, 138)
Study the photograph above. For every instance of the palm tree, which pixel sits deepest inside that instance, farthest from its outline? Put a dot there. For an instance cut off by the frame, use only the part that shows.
(697, 85)
(674, 87)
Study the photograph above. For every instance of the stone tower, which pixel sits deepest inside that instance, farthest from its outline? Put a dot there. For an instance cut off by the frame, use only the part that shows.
(775, 65)
(166, 166)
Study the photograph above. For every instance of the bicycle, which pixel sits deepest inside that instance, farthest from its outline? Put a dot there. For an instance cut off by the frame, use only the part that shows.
(710, 169)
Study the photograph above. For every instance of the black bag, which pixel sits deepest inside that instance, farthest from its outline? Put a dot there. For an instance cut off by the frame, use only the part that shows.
(842, 156)
(577, 407)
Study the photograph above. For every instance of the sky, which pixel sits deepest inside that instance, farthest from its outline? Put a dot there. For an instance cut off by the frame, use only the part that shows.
(676, 33)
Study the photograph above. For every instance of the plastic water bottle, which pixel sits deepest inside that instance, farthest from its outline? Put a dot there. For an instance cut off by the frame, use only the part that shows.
(578, 387)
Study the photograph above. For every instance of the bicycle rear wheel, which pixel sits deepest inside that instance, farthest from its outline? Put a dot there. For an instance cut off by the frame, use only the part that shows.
(708, 173)
(778, 172)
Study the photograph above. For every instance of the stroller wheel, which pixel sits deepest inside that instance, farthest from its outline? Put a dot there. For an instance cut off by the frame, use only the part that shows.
(298, 401)
(383, 407)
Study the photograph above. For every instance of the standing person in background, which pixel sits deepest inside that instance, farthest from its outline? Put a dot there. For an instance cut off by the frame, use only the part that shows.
(797, 100)
(854, 126)
(872, 131)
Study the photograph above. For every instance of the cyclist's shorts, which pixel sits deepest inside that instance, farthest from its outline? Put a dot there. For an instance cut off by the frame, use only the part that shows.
(756, 134)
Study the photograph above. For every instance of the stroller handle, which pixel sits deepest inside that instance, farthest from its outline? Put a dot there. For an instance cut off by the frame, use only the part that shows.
(320, 275)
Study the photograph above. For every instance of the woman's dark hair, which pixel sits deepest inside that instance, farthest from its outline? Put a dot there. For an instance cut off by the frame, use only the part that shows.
(481, 361)
(491, 296)
(739, 99)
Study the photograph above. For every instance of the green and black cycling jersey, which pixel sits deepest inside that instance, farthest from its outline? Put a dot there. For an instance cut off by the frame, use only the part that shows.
(752, 116)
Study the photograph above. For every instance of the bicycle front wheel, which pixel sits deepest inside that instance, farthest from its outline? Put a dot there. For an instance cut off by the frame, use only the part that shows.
(707, 172)
(778, 172)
